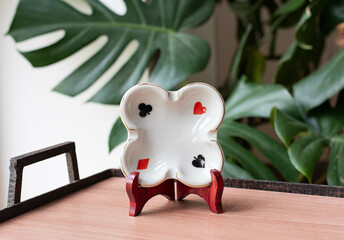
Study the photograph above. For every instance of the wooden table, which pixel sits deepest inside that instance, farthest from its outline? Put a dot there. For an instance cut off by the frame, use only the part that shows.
(101, 212)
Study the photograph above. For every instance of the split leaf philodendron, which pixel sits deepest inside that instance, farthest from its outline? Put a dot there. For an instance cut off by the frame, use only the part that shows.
(158, 27)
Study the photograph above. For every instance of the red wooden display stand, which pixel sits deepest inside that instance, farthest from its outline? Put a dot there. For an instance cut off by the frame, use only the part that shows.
(138, 196)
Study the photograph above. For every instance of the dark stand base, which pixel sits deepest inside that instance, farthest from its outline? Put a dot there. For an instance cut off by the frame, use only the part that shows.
(138, 196)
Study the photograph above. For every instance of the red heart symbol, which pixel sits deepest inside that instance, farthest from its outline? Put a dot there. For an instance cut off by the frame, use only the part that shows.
(199, 109)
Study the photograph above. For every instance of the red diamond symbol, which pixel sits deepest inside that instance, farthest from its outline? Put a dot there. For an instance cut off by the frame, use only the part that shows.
(142, 164)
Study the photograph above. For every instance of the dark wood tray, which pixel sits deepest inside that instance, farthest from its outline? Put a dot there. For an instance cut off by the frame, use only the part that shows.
(17, 207)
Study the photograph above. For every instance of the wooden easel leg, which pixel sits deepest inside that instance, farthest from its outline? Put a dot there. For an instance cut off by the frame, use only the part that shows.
(138, 196)
(216, 191)
(212, 194)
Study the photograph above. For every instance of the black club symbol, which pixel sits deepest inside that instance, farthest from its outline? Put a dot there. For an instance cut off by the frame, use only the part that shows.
(145, 109)
(199, 162)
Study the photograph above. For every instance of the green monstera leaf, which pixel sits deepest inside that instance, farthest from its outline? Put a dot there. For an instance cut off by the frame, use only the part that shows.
(335, 171)
(322, 84)
(270, 148)
(306, 138)
(256, 100)
(156, 25)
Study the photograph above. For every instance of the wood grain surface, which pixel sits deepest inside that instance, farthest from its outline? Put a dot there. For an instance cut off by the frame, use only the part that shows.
(101, 212)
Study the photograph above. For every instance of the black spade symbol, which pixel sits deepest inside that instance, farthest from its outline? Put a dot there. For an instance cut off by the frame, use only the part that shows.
(199, 162)
(145, 109)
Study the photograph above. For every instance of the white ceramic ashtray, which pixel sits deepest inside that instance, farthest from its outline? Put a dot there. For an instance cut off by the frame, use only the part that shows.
(172, 135)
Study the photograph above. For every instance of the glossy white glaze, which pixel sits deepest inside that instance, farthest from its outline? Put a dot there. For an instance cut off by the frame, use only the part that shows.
(177, 128)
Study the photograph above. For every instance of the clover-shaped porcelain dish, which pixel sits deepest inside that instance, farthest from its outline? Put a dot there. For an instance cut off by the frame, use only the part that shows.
(172, 135)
